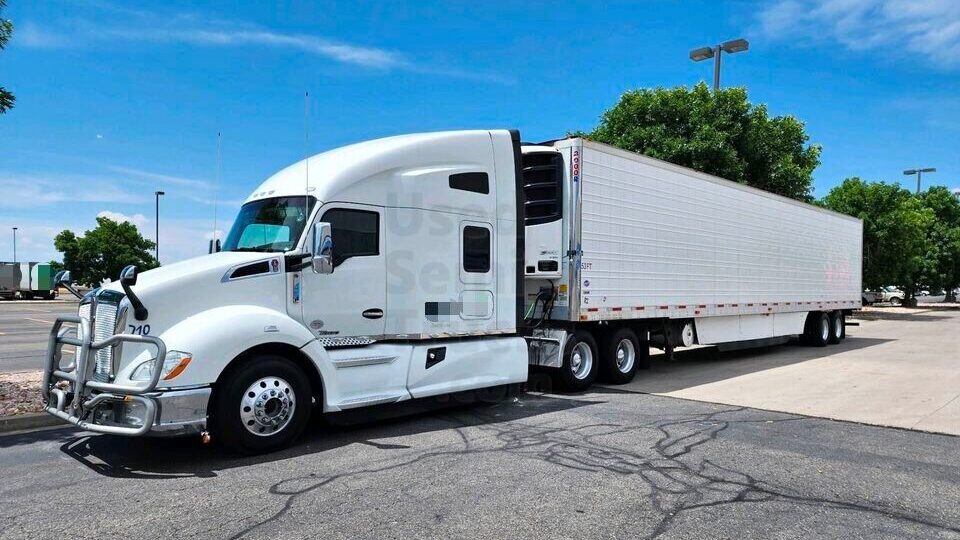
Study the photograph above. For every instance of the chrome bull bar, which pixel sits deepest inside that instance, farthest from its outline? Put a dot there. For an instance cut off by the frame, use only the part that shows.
(78, 403)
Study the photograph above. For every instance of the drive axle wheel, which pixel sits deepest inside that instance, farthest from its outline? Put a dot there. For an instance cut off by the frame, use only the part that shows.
(579, 368)
(621, 353)
(262, 406)
(837, 327)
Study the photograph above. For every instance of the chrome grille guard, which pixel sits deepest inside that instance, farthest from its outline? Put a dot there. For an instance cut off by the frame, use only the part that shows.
(76, 404)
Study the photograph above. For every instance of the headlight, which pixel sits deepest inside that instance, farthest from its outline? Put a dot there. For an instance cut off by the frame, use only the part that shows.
(173, 364)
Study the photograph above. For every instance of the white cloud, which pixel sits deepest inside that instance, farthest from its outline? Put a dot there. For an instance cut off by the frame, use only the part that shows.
(137, 26)
(25, 189)
(928, 28)
(341, 52)
(176, 180)
(137, 219)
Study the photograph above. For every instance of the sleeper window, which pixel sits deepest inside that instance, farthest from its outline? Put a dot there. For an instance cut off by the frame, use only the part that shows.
(476, 249)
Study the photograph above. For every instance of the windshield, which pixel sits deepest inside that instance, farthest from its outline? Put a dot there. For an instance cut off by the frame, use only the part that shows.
(269, 225)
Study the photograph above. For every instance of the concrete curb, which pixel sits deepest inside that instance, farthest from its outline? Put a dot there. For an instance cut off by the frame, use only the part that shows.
(28, 421)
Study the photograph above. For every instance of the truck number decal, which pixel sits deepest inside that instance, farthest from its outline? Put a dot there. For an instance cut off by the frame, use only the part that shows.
(139, 329)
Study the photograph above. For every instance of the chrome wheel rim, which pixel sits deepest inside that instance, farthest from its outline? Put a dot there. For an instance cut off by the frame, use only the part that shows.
(267, 406)
(825, 328)
(626, 355)
(838, 327)
(581, 360)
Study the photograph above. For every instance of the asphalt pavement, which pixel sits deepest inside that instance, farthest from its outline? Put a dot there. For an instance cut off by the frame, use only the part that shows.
(24, 328)
(605, 464)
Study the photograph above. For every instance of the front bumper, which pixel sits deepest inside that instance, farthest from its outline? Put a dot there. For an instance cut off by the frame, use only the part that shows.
(71, 393)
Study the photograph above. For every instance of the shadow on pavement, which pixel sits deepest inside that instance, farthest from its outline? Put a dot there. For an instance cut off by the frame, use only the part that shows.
(707, 365)
(161, 459)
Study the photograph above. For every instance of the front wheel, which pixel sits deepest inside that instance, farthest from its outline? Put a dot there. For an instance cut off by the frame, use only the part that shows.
(579, 368)
(262, 406)
(896, 301)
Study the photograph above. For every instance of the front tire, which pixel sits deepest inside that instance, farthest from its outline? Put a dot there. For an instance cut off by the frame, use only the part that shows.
(262, 406)
(580, 362)
(620, 357)
(896, 301)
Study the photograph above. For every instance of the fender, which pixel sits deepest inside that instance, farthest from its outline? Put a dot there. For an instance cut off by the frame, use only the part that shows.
(216, 336)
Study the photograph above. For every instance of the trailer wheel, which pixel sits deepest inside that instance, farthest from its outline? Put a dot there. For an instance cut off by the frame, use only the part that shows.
(580, 362)
(620, 357)
(836, 327)
(17, 295)
(262, 406)
(818, 329)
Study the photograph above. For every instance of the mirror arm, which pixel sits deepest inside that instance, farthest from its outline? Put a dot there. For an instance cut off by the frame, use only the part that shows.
(72, 290)
(296, 262)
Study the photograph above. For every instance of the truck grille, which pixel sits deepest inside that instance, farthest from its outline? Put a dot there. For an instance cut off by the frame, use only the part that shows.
(104, 326)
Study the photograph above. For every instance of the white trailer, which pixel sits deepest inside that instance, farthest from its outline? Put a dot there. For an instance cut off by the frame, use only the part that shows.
(689, 258)
(426, 264)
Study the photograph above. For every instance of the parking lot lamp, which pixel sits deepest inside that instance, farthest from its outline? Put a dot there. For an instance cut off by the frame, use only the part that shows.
(919, 173)
(14, 244)
(729, 47)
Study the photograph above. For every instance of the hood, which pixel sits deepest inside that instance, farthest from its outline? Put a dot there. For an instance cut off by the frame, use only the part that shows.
(206, 265)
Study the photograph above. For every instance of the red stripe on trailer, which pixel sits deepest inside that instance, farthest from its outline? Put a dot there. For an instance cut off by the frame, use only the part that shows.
(639, 308)
(719, 305)
(702, 306)
(749, 305)
(681, 307)
(664, 307)
(593, 309)
(734, 305)
(616, 309)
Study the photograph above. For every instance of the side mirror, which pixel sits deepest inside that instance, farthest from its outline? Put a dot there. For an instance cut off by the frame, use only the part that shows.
(322, 259)
(128, 276)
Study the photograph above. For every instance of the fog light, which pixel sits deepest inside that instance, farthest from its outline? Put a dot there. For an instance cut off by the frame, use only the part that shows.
(133, 412)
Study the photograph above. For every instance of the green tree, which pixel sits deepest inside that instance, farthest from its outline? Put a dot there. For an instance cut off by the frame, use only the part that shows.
(101, 253)
(895, 226)
(717, 132)
(941, 265)
(6, 29)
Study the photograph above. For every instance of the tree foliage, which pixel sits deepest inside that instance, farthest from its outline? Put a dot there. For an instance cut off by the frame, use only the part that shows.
(717, 132)
(895, 227)
(100, 254)
(6, 30)
(941, 263)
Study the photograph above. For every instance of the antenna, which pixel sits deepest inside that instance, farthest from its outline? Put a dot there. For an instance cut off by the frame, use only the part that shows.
(306, 155)
(216, 190)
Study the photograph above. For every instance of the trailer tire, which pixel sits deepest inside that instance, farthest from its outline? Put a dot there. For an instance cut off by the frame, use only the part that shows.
(817, 330)
(262, 406)
(620, 356)
(837, 327)
(17, 295)
(580, 362)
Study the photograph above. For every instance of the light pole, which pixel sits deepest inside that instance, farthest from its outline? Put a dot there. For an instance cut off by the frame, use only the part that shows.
(157, 221)
(14, 244)
(919, 173)
(729, 47)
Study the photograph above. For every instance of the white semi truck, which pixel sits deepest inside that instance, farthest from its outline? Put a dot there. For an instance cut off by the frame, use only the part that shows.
(427, 264)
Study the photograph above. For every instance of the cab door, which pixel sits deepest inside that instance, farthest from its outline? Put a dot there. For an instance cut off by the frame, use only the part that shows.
(351, 301)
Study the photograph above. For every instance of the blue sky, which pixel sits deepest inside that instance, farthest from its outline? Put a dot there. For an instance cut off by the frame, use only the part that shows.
(116, 100)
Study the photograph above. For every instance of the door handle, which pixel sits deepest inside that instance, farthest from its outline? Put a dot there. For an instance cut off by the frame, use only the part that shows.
(374, 313)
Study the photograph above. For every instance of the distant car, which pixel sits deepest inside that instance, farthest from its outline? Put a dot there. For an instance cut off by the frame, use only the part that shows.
(891, 294)
(926, 297)
(871, 297)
